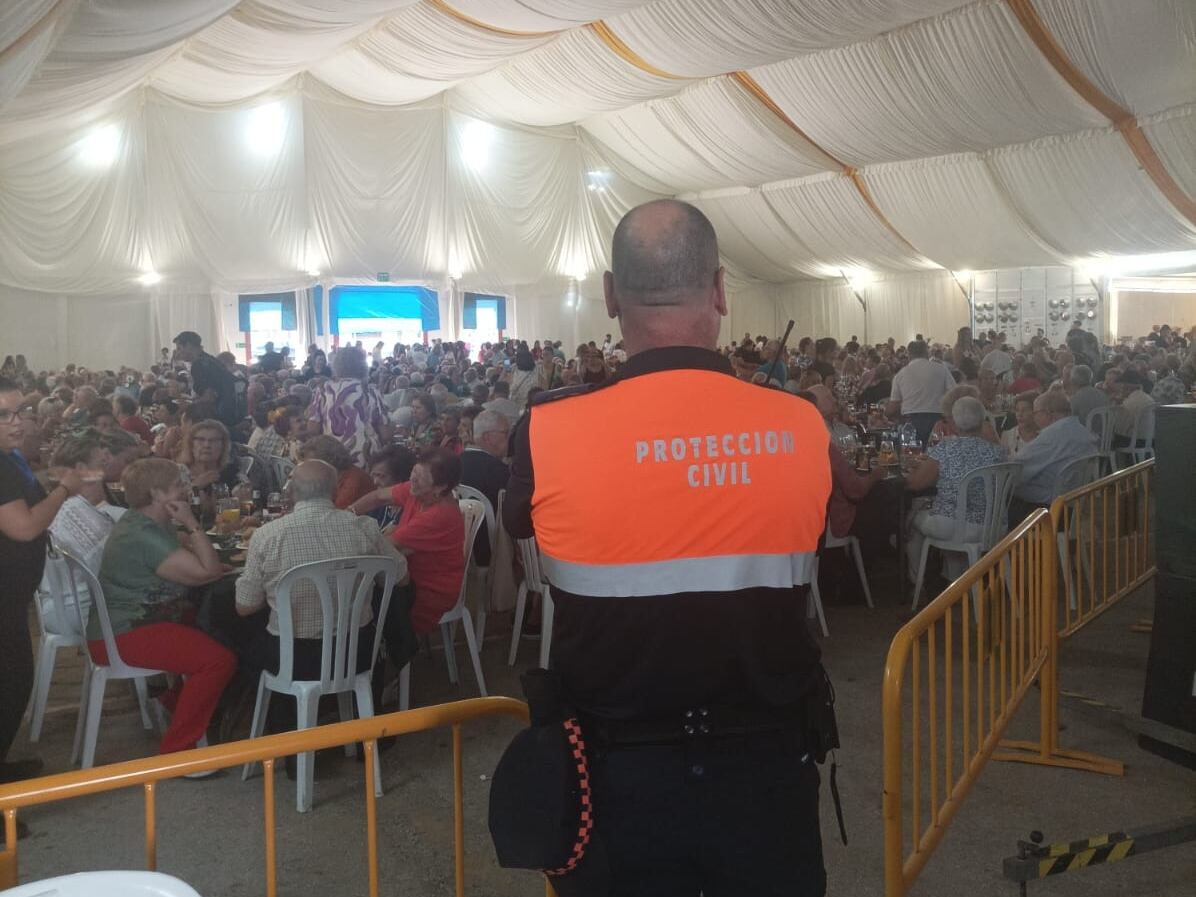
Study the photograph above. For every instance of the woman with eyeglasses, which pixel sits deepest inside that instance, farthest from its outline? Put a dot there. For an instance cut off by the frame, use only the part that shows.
(26, 511)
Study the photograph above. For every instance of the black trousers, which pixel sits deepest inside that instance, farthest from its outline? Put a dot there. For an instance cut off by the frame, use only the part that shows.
(16, 665)
(734, 817)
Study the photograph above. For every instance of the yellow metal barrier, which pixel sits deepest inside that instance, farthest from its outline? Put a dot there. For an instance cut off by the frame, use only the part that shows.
(969, 656)
(1105, 552)
(148, 772)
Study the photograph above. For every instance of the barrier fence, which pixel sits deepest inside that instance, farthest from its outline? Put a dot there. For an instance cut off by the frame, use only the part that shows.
(1104, 552)
(971, 655)
(969, 658)
(149, 772)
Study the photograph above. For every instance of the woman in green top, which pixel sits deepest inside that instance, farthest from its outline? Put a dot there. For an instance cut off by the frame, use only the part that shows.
(146, 573)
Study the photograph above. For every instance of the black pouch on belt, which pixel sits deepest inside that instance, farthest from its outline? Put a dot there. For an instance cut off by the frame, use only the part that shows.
(822, 730)
(541, 812)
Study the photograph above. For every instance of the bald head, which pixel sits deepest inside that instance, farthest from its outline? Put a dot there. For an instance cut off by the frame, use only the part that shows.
(665, 284)
(313, 479)
(824, 399)
(663, 253)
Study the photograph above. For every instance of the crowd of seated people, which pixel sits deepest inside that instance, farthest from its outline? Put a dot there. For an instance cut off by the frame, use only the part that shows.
(382, 439)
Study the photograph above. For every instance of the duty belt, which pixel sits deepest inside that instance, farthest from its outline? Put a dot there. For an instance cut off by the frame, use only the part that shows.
(692, 724)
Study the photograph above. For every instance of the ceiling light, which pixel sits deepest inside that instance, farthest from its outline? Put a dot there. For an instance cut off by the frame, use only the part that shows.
(857, 277)
(476, 139)
(266, 129)
(99, 149)
(149, 278)
(313, 272)
(965, 274)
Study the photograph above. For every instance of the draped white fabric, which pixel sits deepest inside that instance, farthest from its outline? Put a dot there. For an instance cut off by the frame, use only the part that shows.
(237, 146)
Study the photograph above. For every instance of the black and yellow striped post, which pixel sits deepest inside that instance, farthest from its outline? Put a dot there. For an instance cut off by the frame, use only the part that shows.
(1035, 861)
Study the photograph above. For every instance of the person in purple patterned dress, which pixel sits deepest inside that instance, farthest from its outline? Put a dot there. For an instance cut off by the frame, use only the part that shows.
(349, 407)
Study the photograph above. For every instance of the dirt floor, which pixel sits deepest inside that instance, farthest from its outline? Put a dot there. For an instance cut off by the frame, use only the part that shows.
(210, 832)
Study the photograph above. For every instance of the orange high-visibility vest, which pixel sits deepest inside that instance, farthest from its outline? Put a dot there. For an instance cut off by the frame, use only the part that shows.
(682, 480)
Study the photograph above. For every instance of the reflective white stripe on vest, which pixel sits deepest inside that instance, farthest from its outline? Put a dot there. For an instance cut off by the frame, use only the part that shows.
(724, 573)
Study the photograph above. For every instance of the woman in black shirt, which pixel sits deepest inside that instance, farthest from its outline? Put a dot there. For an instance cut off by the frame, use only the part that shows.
(25, 514)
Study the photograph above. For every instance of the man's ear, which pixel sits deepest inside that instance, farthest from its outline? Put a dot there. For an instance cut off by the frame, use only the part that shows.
(720, 291)
(608, 293)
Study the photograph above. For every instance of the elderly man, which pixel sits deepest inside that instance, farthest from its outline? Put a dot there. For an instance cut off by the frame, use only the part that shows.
(918, 390)
(1085, 398)
(314, 531)
(1061, 439)
(828, 407)
(1133, 400)
(482, 468)
(502, 402)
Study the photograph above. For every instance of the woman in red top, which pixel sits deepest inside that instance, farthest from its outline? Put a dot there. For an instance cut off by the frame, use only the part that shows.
(431, 533)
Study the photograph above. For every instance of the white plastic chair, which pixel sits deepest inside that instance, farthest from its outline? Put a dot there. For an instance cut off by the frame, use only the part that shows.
(1074, 475)
(473, 513)
(998, 481)
(106, 884)
(342, 611)
(63, 624)
(1141, 447)
(814, 602)
(1100, 424)
(280, 471)
(533, 581)
(487, 572)
(852, 544)
(95, 675)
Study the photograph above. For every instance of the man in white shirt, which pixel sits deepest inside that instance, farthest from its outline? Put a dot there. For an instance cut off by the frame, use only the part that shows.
(998, 361)
(918, 390)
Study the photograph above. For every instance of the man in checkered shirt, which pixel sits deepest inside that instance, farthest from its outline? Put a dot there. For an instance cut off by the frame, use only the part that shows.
(315, 531)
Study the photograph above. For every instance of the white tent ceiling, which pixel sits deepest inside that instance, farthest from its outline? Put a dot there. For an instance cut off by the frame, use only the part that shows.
(246, 143)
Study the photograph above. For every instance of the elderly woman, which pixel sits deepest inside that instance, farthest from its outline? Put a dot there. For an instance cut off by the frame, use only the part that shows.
(426, 431)
(352, 482)
(85, 520)
(431, 533)
(945, 466)
(349, 408)
(146, 575)
(275, 424)
(206, 456)
(946, 426)
(1027, 428)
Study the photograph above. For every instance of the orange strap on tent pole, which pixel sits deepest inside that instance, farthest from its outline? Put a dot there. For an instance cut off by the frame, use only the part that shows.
(1122, 118)
(624, 52)
(443, 7)
(752, 86)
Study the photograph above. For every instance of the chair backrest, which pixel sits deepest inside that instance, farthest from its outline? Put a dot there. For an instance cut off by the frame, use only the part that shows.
(76, 573)
(64, 615)
(474, 513)
(1100, 423)
(1076, 473)
(473, 494)
(997, 482)
(1143, 433)
(345, 587)
(280, 471)
(529, 554)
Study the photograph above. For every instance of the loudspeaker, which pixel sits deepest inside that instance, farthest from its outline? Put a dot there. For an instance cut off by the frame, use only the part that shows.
(1175, 489)
(1170, 693)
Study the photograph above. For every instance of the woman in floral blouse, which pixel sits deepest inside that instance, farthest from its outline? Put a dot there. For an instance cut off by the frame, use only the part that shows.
(349, 407)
